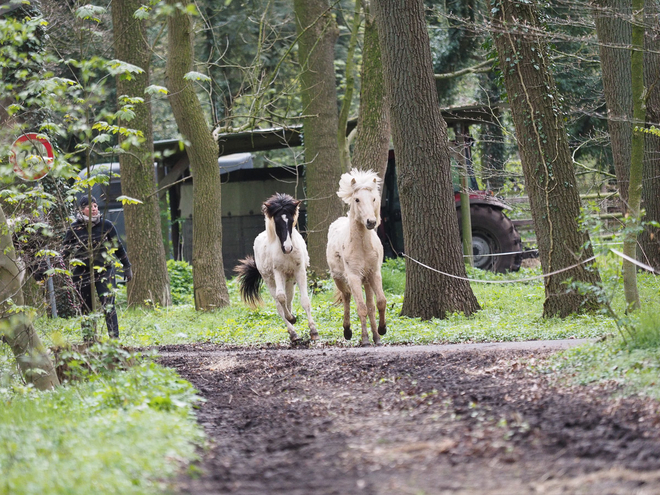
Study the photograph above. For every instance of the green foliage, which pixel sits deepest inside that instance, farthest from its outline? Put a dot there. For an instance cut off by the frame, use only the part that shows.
(126, 432)
(181, 281)
(394, 275)
(647, 329)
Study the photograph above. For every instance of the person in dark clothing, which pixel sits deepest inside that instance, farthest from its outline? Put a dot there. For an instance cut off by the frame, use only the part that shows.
(105, 244)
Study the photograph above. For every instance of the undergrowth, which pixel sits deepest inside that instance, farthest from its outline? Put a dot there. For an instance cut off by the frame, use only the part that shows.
(126, 431)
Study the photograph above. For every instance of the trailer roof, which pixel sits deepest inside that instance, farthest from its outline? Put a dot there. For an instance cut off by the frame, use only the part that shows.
(288, 137)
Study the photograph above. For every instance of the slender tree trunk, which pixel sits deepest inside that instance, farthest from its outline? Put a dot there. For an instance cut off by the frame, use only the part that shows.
(15, 328)
(143, 229)
(546, 158)
(430, 229)
(372, 142)
(318, 33)
(209, 281)
(649, 239)
(636, 155)
(342, 140)
(614, 31)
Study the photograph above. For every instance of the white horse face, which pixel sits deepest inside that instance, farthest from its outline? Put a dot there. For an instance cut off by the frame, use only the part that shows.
(284, 228)
(365, 207)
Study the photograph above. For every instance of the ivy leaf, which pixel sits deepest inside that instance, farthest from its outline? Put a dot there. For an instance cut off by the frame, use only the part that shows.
(126, 200)
(153, 89)
(142, 13)
(124, 69)
(90, 13)
(196, 76)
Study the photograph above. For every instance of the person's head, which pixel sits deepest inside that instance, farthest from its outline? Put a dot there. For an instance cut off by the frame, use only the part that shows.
(87, 209)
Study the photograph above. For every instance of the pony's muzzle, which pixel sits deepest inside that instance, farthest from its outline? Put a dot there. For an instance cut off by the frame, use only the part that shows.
(287, 248)
(371, 223)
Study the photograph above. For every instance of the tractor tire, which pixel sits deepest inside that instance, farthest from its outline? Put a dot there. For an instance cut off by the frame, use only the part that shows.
(493, 233)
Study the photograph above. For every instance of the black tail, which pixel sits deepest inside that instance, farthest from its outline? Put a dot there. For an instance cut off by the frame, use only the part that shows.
(249, 280)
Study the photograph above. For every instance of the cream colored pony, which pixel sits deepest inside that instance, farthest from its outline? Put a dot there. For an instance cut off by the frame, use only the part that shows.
(355, 253)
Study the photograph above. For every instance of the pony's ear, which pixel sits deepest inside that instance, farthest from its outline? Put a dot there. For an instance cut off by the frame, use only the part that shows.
(264, 208)
(353, 181)
(297, 203)
(376, 179)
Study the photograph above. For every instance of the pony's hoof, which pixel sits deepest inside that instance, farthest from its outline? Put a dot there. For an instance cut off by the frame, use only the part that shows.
(365, 344)
(298, 343)
(382, 330)
(293, 319)
(314, 336)
(348, 333)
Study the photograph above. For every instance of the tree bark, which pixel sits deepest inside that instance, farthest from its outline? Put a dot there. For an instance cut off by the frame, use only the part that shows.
(636, 155)
(318, 33)
(614, 30)
(546, 158)
(209, 281)
(649, 239)
(17, 330)
(143, 230)
(372, 142)
(430, 228)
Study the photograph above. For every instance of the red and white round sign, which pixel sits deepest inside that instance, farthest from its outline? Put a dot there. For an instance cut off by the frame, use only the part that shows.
(31, 156)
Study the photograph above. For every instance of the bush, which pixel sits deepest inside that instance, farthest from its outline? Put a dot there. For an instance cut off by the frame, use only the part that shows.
(181, 281)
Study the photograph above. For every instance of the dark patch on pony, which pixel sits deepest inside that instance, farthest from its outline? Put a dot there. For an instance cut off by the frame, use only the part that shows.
(249, 281)
(279, 204)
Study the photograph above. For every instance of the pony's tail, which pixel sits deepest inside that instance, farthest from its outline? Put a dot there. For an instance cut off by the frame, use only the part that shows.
(249, 280)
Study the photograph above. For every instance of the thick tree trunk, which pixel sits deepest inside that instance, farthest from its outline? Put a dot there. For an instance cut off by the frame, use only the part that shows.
(546, 158)
(372, 142)
(17, 330)
(614, 31)
(419, 132)
(143, 230)
(209, 281)
(318, 33)
(649, 239)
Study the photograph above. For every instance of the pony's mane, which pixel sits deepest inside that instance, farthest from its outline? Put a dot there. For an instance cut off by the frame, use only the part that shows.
(279, 204)
(356, 180)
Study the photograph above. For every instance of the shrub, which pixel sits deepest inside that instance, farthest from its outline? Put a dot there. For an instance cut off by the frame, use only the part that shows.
(181, 281)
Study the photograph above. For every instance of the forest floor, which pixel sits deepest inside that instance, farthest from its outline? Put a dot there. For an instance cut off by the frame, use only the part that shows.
(470, 419)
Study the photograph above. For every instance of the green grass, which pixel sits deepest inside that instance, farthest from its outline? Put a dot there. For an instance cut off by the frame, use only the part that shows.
(123, 432)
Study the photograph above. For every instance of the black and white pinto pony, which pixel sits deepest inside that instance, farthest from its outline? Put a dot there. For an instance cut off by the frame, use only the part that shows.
(355, 253)
(280, 259)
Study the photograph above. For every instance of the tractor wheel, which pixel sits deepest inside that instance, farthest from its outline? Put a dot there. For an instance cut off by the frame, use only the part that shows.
(493, 234)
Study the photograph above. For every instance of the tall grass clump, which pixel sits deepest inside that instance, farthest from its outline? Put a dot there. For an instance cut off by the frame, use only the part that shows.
(181, 281)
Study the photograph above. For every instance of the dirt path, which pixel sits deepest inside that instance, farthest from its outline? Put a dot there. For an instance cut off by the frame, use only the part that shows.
(418, 420)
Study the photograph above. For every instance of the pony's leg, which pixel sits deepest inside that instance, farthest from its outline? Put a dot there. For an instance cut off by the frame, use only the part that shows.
(301, 280)
(290, 285)
(381, 302)
(371, 311)
(355, 283)
(345, 292)
(276, 289)
(281, 296)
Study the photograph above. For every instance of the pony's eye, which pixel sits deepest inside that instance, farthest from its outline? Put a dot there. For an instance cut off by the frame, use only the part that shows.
(357, 200)
(374, 200)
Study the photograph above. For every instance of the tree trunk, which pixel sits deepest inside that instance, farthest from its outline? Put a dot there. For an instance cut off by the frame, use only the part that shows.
(649, 239)
(636, 155)
(342, 140)
(15, 328)
(209, 281)
(143, 229)
(546, 158)
(372, 142)
(614, 32)
(318, 33)
(430, 228)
